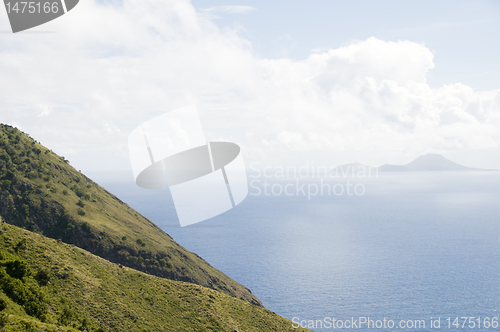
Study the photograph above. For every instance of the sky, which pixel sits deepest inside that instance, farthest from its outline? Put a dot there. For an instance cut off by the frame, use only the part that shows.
(462, 35)
(291, 82)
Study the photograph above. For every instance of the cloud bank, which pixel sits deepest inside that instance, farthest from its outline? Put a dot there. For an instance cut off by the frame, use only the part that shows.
(230, 9)
(108, 66)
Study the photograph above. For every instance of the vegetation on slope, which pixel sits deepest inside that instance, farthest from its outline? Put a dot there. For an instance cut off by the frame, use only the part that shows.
(48, 285)
(41, 192)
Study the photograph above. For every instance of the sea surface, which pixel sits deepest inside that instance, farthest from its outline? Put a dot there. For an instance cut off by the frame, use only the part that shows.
(404, 247)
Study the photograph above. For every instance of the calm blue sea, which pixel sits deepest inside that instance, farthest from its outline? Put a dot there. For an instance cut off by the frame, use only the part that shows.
(412, 247)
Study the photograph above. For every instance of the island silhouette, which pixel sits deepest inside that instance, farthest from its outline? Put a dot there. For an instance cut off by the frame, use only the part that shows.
(430, 162)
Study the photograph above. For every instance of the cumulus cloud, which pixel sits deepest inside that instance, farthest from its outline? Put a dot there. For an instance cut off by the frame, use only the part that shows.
(372, 96)
(230, 9)
(110, 66)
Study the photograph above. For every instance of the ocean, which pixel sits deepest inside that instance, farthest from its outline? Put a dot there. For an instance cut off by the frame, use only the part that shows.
(420, 250)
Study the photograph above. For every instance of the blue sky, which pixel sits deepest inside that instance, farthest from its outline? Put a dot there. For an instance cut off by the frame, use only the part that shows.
(464, 36)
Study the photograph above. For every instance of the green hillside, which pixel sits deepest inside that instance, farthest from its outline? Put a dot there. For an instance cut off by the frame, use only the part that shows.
(48, 285)
(41, 192)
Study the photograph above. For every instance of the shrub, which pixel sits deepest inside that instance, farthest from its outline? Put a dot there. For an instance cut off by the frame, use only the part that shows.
(80, 192)
(27, 326)
(21, 245)
(65, 192)
(66, 316)
(17, 268)
(13, 288)
(4, 318)
(6, 184)
(3, 304)
(42, 277)
(81, 212)
(10, 176)
(18, 292)
(4, 156)
(80, 203)
(35, 307)
(25, 210)
(86, 227)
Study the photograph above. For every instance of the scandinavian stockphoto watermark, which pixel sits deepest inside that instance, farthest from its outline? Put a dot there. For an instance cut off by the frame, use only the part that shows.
(205, 178)
(25, 15)
(310, 180)
(370, 323)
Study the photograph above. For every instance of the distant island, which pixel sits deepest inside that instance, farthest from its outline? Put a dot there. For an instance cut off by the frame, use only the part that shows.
(429, 163)
(426, 163)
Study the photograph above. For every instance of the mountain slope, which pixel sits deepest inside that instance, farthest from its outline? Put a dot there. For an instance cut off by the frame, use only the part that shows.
(436, 162)
(60, 287)
(40, 191)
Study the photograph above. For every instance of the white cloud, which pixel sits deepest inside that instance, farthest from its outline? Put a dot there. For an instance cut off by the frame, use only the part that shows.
(230, 9)
(81, 90)
(44, 110)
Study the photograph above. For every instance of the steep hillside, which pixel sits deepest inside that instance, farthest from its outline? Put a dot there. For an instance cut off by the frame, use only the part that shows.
(48, 285)
(41, 192)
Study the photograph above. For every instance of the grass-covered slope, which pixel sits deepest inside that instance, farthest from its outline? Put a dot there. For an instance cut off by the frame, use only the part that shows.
(45, 283)
(41, 192)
